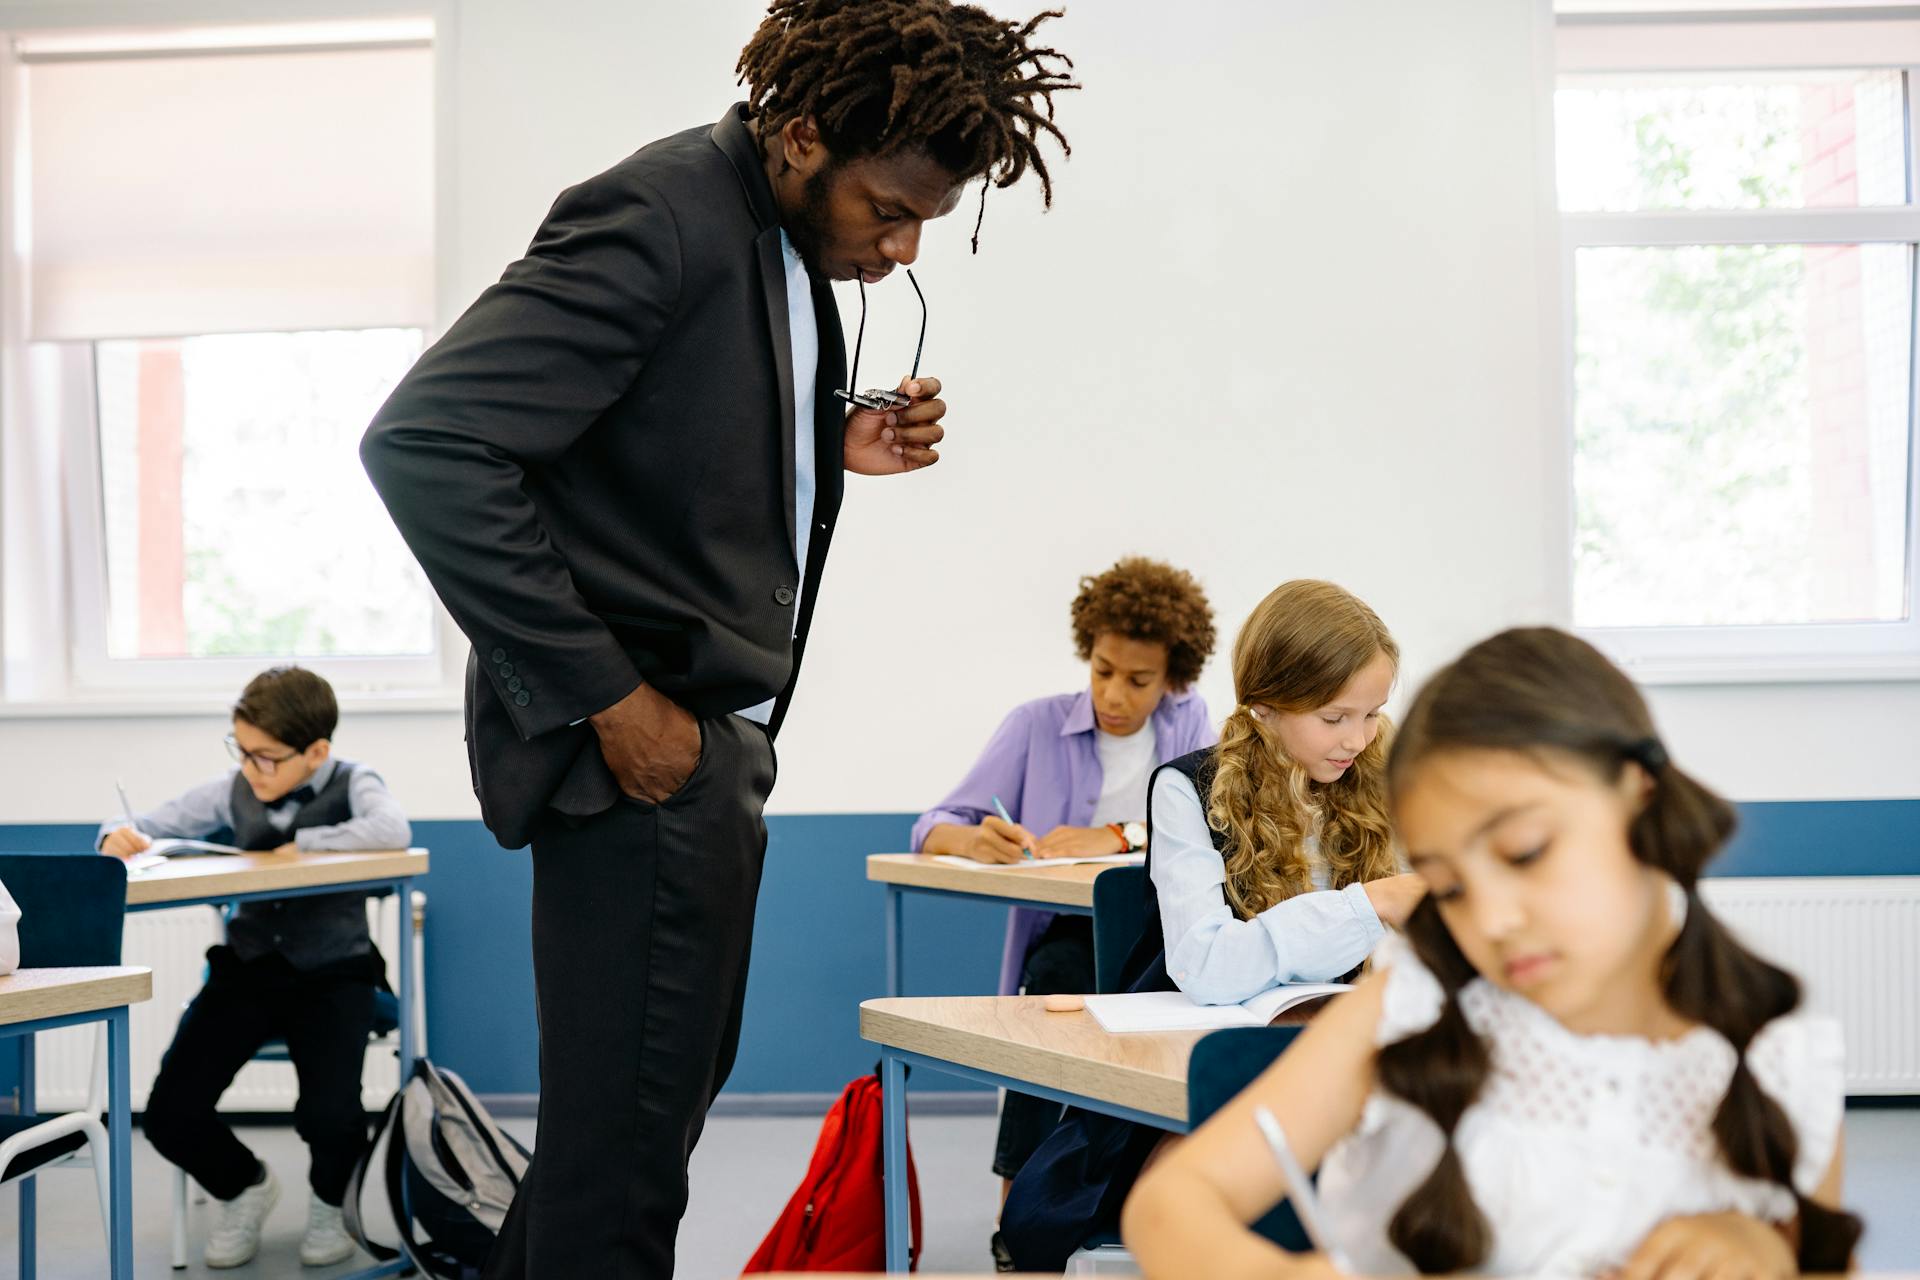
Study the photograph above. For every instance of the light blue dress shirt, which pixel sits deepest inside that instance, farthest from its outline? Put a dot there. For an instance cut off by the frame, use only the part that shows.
(378, 822)
(1217, 958)
(804, 334)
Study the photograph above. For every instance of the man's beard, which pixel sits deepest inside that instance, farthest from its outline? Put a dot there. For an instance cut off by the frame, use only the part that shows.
(806, 226)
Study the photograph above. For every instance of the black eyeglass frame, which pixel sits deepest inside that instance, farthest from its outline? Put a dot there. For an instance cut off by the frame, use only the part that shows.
(266, 764)
(876, 398)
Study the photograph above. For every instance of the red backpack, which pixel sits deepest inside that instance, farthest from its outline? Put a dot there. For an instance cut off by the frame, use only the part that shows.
(835, 1221)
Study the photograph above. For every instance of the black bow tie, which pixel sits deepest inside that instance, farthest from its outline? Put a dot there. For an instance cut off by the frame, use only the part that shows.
(299, 795)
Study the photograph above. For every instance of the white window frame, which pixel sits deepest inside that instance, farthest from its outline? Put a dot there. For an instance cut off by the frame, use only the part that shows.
(1634, 43)
(93, 671)
(51, 392)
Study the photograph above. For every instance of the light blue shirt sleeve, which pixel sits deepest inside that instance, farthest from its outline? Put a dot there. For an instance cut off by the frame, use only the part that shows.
(1217, 958)
(378, 822)
(193, 815)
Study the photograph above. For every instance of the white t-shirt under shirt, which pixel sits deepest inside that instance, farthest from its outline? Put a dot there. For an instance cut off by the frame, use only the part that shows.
(1125, 765)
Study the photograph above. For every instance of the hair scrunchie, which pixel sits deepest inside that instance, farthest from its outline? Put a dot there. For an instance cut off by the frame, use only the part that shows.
(1649, 754)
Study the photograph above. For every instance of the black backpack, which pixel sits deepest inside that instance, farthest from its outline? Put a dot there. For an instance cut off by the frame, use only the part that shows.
(436, 1183)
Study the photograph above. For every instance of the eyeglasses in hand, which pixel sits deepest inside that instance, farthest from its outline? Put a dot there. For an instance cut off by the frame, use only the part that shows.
(875, 398)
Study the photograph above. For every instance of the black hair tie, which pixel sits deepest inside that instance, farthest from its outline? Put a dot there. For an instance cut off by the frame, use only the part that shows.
(1649, 755)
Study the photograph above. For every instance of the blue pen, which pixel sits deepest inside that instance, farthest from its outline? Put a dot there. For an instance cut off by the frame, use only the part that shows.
(1008, 820)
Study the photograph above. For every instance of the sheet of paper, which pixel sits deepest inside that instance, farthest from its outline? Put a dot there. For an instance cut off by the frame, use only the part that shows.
(1028, 864)
(1133, 1011)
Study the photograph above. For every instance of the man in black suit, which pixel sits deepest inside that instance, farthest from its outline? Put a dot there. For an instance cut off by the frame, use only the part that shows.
(620, 469)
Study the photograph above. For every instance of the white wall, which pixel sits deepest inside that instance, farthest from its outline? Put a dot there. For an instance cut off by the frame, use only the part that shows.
(1293, 314)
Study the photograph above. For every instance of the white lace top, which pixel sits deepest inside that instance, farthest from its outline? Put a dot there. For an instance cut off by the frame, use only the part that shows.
(1578, 1145)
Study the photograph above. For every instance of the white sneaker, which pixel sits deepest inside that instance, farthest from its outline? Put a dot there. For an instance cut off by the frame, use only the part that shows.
(235, 1237)
(326, 1241)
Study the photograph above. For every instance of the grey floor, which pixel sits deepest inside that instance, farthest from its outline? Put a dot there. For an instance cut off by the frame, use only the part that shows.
(747, 1167)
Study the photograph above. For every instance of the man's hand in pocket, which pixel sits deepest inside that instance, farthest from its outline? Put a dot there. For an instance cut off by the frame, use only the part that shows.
(651, 743)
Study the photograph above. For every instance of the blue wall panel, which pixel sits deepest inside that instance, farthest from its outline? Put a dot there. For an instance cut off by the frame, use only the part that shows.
(819, 945)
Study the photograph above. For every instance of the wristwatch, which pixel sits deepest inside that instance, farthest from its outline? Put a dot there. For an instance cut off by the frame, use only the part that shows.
(1132, 834)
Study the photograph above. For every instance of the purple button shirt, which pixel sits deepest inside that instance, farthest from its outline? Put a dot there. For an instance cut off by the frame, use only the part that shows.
(1043, 765)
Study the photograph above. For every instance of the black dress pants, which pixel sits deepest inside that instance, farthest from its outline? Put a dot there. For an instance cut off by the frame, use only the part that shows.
(642, 923)
(1060, 962)
(323, 1014)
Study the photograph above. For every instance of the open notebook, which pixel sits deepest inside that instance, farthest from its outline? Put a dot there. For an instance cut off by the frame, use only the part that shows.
(1028, 864)
(1173, 1011)
(157, 853)
(172, 848)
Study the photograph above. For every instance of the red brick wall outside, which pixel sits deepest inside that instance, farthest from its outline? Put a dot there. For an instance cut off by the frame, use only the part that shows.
(162, 455)
(1840, 533)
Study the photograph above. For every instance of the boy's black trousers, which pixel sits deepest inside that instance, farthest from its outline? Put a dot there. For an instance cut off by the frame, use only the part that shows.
(324, 1015)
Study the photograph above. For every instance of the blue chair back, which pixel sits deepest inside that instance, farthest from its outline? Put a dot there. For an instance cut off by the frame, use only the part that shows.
(1119, 915)
(1223, 1064)
(72, 907)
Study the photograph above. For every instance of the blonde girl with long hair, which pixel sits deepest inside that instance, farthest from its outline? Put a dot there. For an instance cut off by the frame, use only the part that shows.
(1273, 859)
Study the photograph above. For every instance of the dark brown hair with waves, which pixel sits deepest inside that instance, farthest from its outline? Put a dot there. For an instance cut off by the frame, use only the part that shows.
(1546, 694)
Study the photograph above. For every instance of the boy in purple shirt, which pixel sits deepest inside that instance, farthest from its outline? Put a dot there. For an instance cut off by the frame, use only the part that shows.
(1074, 767)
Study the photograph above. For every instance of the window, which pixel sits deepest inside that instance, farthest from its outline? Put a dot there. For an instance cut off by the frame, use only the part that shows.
(1740, 260)
(228, 241)
(235, 515)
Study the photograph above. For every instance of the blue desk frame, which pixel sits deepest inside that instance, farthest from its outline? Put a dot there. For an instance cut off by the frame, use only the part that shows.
(119, 1136)
(893, 1104)
(896, 929)
(408, 996)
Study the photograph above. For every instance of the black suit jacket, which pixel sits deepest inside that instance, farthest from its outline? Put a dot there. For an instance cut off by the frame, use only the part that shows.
(595, 468)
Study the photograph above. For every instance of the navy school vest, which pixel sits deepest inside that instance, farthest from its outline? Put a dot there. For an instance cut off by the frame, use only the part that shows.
(309, 931)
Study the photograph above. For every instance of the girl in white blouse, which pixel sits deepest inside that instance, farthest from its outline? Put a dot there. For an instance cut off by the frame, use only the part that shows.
(1567, 1066)
(1272, 857)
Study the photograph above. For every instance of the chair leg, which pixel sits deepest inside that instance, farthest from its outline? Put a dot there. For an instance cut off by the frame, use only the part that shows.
(29, 1189)
(179, 1219)
(101, 1155)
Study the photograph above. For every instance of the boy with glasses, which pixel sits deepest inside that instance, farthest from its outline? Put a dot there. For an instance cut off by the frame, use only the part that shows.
(303, 970)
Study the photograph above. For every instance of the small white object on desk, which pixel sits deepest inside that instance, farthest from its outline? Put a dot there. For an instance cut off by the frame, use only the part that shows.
(1133, 1011)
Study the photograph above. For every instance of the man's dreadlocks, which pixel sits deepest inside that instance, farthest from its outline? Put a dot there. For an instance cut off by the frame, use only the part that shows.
(879, 75)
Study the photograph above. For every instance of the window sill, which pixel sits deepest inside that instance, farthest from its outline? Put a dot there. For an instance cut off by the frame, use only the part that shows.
(215, 702)
(1831, 669)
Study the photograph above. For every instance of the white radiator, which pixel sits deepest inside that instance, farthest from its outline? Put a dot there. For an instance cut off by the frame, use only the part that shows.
(173, 943)
(1854, 943)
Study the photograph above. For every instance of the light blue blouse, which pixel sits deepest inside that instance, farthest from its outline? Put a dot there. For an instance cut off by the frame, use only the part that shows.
(1217, 958)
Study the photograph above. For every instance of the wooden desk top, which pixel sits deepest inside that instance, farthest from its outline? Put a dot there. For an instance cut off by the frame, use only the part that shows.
(1014, 1036)
(1070, 886)
(27, 994)
(193, 879)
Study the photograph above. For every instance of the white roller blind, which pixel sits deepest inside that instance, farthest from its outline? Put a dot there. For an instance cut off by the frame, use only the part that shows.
(239, 192)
